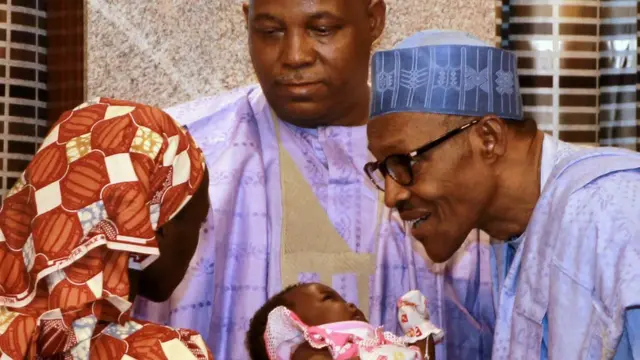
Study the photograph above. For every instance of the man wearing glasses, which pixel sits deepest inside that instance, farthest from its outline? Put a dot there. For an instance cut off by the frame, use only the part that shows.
(454, 153)
(290, 201)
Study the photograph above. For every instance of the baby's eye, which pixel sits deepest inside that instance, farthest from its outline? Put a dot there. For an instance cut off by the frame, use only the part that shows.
(327, 297)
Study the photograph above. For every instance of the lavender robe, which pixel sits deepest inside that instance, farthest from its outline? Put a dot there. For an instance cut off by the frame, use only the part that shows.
(236, 267)
(573, 287)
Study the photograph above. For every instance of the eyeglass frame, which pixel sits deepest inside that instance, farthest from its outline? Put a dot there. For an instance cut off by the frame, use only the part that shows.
(373, 166)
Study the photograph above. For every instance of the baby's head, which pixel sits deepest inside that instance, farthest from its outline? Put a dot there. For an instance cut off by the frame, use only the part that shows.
(314, 303)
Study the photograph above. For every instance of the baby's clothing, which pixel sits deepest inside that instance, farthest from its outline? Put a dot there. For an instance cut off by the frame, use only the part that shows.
(347, 339)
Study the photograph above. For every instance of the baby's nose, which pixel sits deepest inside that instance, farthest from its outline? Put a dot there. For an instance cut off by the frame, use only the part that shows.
(353, 309)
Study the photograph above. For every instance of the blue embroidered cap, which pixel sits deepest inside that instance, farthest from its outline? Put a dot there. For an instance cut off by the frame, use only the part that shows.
(445, 72)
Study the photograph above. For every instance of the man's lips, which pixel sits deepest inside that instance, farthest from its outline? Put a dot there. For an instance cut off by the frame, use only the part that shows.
(300, 89)
(299, 83)
(415, 217)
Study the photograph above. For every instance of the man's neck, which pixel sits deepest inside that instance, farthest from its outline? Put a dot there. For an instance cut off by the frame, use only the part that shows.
(518, 189)
(357, 114)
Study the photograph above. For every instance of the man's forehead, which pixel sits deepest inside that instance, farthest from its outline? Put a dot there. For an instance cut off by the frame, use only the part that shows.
(316, 2)
(406, 122)
(305, 7)
(402, 132)
(289, 5)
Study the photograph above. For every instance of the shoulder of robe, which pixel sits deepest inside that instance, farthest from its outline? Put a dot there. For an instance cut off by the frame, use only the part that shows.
(614, 195)
(604, 192)
(213, 109)
(597, 167)
(603, 218)
(217, 120)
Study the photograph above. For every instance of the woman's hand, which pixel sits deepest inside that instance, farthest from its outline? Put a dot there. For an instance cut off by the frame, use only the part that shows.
(427, 347)
(431, 349)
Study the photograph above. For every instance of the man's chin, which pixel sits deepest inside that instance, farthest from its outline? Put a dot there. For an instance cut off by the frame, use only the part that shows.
(439, 257)
(436, 251)
(306, 114)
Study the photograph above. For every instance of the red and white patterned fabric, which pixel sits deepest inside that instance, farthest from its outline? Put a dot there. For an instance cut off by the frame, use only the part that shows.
(86, 209)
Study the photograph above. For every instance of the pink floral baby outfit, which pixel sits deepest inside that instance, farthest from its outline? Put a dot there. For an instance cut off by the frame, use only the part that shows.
(348, 339)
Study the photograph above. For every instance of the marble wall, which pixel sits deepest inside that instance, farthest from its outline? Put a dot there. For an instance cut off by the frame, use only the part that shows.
(165, 52)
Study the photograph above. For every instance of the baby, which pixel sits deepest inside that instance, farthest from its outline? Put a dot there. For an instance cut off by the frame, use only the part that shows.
(312, 321)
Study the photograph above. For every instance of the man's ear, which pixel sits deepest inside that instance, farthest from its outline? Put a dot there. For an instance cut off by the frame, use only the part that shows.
(491, 132)
(245, 10)
(377, 18)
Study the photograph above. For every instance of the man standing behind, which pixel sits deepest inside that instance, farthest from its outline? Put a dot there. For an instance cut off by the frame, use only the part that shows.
(289, 198)
(455, 154)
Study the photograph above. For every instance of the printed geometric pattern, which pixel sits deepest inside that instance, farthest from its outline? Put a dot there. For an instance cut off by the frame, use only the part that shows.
(122, 331)
(578, 66)
(6, 317)
(77, 217)
(78, 147)
(447, 79)
(147, 142)
(91, 215)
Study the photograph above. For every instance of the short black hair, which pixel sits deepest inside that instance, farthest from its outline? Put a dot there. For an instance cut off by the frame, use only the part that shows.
(254, 340)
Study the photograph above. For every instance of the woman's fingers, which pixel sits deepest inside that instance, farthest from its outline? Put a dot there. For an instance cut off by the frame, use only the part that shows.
(431, 348)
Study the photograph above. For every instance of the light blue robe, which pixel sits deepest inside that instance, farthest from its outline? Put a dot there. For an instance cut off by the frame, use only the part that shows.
(573, 287)
(236, 266)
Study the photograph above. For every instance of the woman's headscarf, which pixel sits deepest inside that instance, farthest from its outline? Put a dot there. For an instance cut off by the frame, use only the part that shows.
(107, 176)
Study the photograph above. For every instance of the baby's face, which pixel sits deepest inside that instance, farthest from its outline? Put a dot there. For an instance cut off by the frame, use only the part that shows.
(318, 304)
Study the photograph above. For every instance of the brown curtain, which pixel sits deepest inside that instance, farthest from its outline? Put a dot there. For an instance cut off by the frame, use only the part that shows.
(23, 85)
(41, 75)
(579, 67)
(65, 32)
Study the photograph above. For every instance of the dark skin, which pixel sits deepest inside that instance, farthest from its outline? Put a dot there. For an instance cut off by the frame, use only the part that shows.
(177, 240)
(311, 57)
(317, 304)
(487, 177)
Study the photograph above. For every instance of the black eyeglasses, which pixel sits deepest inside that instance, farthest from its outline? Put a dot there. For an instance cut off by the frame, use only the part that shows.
(400, 166)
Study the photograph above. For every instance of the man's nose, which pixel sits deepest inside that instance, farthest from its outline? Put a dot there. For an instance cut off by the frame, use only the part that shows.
(394, 192)
(298, 50)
